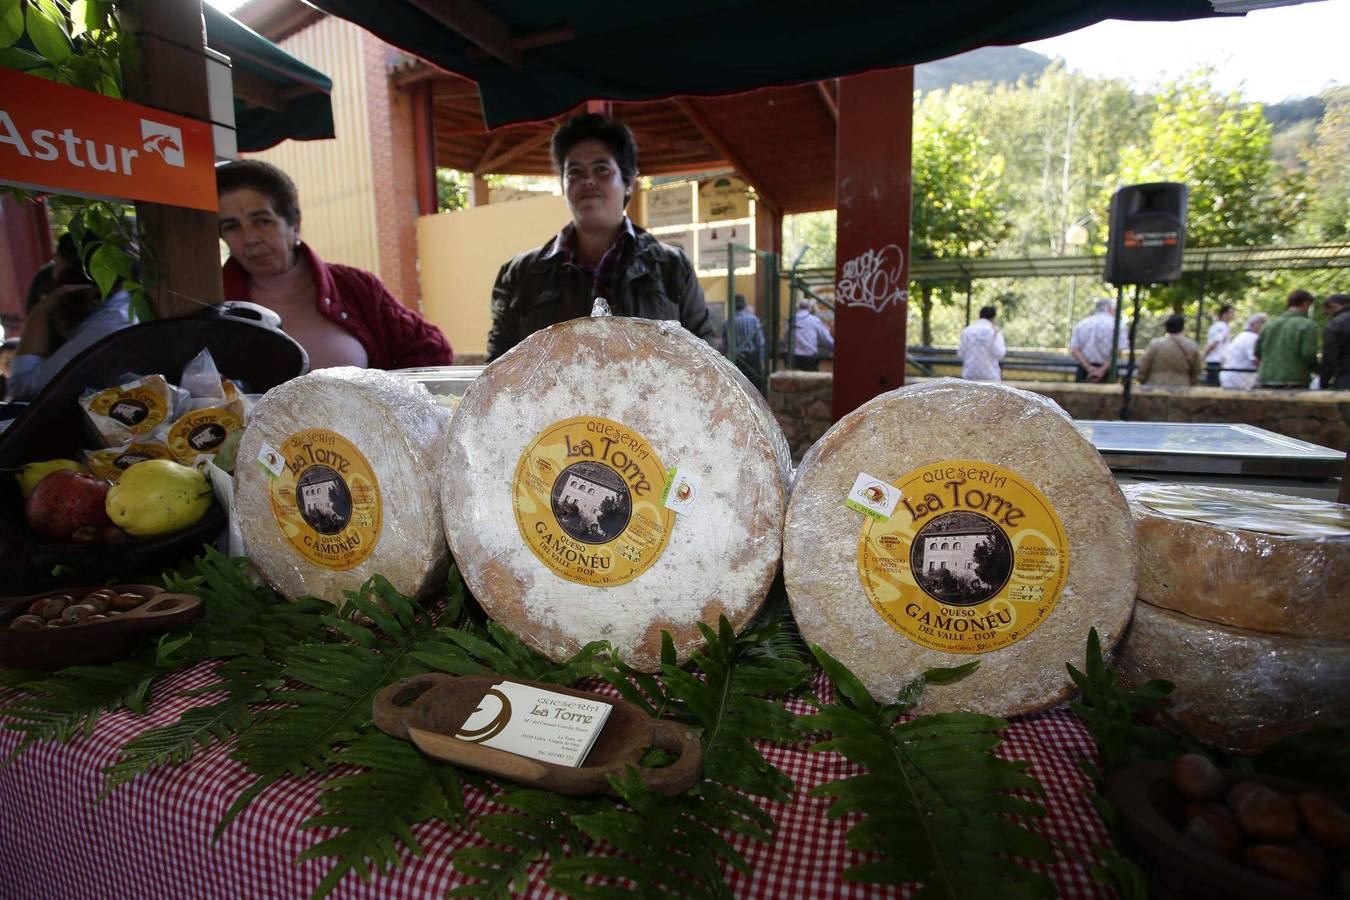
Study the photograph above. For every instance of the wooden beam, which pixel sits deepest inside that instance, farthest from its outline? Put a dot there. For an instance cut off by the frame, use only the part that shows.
(494, 144)
(476, 24)
(526, 146)
(480, 194)
(706, 128)
(830, 106)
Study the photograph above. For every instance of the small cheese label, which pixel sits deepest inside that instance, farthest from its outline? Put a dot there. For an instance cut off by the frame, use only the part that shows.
(200, 432)
(326, 499)
(873, 497)
(270, 460)
(681, 492)
(535, 722)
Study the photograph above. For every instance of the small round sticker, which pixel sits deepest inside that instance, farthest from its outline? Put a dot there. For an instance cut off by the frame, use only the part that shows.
(973, 559)
(587, 496)
(326, 500)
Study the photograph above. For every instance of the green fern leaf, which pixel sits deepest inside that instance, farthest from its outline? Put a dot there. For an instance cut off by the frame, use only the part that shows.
(933, 797)
(539, 825)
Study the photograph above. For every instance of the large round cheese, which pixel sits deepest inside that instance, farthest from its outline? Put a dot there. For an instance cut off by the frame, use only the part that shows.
(1267, 562)
(555, 489)
(954, 522)
(1241, 690)
(336, 481)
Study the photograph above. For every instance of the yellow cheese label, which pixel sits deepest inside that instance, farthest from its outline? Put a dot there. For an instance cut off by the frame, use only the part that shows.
(109, 464)
(973, 559)
(201, 431)
(139, 408)
(587, 494)
(326, 500)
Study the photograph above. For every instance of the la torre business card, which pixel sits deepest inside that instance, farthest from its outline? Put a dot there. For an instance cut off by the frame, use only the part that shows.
(536, 722)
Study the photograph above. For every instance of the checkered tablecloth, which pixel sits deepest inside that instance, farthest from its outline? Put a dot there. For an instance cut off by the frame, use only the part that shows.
(151, 838)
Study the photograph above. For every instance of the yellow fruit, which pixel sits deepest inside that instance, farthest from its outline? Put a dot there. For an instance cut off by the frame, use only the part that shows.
(31, 474)
(158, 496)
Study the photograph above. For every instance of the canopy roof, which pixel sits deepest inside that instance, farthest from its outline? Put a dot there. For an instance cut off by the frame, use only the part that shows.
(534, 59)
(276, 96)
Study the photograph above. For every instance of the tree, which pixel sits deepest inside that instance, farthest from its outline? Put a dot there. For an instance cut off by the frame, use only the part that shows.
(1328, 162)
(960, 198)
(993, 559)
(1220, 147)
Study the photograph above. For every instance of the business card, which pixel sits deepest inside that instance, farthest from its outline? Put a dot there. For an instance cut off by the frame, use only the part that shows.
(536, 722)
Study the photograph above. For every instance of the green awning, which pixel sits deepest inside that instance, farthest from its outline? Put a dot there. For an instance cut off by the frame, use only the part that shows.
(563, 54)
(306, 112)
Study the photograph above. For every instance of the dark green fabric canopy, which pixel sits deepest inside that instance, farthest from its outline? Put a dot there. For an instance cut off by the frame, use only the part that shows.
(648, 50)
(309, 109)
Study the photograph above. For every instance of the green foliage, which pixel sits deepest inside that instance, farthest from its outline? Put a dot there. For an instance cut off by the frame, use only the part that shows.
(1321, 755)
(74, 43)
(1328, 174)
(933, 798)
(539, 826)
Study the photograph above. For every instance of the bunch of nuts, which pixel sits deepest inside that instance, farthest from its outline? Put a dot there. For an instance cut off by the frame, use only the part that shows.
(1302, 840)
(63, 610)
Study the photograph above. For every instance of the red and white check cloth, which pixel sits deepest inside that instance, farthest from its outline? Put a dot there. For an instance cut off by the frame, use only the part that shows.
(151, 838)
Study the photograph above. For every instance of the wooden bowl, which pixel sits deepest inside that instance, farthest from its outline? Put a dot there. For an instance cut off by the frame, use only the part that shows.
(1178, 868)
(428, 709)
(93, 642)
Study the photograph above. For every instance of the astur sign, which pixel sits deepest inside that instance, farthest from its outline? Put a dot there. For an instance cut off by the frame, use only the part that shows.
(69, 141)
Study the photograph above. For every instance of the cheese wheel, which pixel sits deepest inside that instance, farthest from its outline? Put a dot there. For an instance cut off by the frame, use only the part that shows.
(557, 465)
(335, 481)
(953, 522)
(1241, 690)
(1267, 562)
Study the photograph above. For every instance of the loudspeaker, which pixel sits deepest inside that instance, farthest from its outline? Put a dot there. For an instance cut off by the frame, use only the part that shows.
(1148, 233)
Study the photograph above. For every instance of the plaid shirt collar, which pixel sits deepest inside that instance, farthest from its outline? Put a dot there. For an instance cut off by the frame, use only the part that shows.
(602, 273)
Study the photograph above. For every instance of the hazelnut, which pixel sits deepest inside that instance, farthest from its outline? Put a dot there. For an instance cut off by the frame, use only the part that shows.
(1326, 822)
(96, 617)
(114, 535)
(50, 607)
(87, 534)
(125, 602)
(1216, 834)
(1267, 817)
(1284, 863)
(27, 623)
(1239, 791)
(102, 594)
(98, 603)
(1195, 777)
(73, 614)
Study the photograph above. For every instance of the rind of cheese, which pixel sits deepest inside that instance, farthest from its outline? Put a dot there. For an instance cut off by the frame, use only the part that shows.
(904, 430)
(399, 430)
(1267, 562)
(1241, 690)
(698, 415)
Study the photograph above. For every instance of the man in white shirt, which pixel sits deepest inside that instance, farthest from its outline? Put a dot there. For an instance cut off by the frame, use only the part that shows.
(981, 347)
(810, 338)
(1090, 343)
(1215, 342)
(1240, 354)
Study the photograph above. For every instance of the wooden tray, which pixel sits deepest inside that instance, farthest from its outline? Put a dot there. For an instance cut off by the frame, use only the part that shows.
(95, 642)
(428, 709)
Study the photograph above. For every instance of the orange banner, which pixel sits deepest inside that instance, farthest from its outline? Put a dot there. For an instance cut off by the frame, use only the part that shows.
(68, 141)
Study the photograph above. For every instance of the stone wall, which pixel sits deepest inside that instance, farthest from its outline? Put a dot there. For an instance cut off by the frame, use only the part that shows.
(801, 401)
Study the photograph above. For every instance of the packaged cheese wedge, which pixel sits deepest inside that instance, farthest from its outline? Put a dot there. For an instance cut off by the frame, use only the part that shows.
(110, 462)
(1241, 690)
(137, 406)
(954, 522)
(610, 478)
(1267, 562)
(335, 482)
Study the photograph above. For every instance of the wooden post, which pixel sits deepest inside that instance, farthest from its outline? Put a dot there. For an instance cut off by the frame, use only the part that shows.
(424, 147)
(184, 244)
(768, 239)
(874, 187)
(480, 194)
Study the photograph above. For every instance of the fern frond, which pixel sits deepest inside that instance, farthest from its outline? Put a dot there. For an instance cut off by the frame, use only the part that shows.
(538, 826)
(377, 808)
(933, 797)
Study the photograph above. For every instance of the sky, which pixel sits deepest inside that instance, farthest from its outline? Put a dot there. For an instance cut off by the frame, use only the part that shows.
(1270, 54)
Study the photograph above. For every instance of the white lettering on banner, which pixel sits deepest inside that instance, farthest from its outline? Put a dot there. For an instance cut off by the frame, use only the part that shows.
(872, 279)
(165, 141)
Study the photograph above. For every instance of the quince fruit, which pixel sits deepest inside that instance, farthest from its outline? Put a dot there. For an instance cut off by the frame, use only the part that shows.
(31, 474)
(158, 496)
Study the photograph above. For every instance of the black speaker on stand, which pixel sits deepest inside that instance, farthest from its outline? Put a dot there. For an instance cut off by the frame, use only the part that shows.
(1147, 237)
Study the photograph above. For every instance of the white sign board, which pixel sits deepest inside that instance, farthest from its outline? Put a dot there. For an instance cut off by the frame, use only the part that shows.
(712, 245)
(673, 205)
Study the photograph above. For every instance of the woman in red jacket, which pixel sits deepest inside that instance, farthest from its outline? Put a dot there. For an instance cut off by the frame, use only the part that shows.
(341, 315)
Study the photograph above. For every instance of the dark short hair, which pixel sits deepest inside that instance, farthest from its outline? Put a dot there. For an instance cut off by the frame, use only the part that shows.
(739, 302)
(610, 132)
(988, 312)
(1298, 297)
(1175, 323)
(1225, 309)
(265, 178)
(1337, 300)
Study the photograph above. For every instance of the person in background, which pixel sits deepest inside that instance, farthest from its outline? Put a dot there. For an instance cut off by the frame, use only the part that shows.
(749, 335)
(600, 253)
(1172, 360)
(1090, 342)
(1336, 343)
(811, 339)
(1215, 342)
(1241, 354)
(342, 316)
(981, 347)
(63, 322)
(1287, 347)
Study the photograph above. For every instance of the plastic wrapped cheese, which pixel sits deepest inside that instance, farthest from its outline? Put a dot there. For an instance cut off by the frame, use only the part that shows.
(954, 522)
(335, 481)
(1268, 562)
(610, 478)
(1241, 690)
